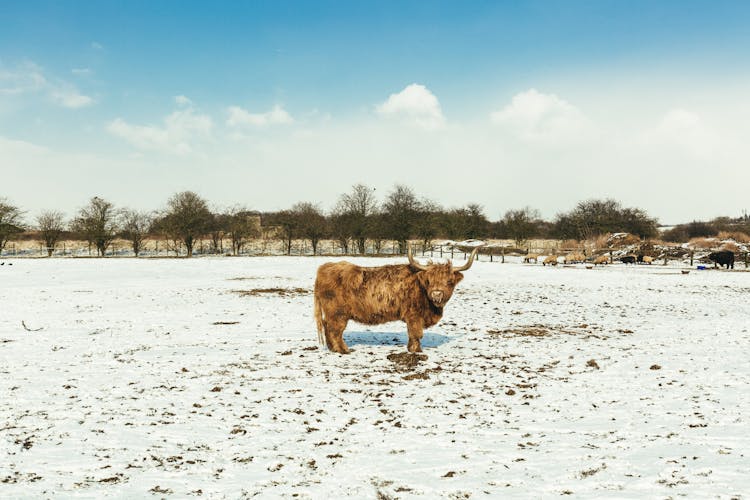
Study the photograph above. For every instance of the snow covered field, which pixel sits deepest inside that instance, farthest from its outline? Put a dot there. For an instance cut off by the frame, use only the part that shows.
(156, 377)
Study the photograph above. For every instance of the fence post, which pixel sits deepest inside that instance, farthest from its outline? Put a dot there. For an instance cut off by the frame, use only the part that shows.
(691, 258)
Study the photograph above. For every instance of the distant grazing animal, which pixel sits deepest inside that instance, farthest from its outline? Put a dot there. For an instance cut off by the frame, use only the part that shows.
(723, 258)
(645, 259)
(572, 258)
(602, 259)
(530, 256)
(413, 293)
(551, 260)
(628, 259)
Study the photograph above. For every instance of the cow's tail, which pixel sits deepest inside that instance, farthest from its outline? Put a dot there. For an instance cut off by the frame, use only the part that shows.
(319, 319)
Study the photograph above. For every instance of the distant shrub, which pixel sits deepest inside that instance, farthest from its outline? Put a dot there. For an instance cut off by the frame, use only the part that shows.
(737, 236)
(705, 243)
(730, 246)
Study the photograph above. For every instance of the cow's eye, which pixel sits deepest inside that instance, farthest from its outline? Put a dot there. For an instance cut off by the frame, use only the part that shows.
(450, 282)
(427, 282)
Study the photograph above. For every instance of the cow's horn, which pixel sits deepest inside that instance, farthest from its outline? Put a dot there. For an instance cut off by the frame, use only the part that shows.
(470, 261)
(412, 262)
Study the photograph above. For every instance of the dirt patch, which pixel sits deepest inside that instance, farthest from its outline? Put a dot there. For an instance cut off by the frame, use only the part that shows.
(526, 331)
(283, 292)
(406, 360)
(225, 323)
(585, 330)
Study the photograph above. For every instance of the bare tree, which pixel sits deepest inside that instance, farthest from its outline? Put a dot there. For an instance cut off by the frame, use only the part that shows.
(341, 229)
(242, 224)
(311, 223)
(135, 227)
(592, 218)
(218, 228)
(97, 223)
(186, 219)
(358, 206)
(11, 222)
(287, 223)
(402, 210)
(51, 225)
(521, 224)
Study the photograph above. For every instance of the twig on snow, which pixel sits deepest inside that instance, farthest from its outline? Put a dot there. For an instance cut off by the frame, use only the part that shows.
(23, 323)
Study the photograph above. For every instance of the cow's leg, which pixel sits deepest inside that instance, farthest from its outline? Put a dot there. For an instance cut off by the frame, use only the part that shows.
(335, 336)
(416, 331)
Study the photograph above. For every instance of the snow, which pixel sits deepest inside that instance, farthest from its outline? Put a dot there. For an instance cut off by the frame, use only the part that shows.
(154, 377)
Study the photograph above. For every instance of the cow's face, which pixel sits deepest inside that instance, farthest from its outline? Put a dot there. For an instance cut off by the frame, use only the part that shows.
(438, 281)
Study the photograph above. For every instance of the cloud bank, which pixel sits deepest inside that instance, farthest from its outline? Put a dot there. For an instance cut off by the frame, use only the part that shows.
(416, 104)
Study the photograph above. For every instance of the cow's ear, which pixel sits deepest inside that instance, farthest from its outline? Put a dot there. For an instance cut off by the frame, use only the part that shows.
(457, 277)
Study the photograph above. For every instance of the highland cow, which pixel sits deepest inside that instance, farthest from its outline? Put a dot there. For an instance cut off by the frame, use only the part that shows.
(413, 293)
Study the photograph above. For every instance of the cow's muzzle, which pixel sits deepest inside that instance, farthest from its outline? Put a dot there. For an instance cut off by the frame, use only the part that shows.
(437, 297)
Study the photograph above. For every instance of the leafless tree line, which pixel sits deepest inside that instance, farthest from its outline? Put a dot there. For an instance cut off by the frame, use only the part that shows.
(360, 222)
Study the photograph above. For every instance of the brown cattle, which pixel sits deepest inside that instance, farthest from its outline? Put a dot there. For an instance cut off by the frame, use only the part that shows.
(413, 293)
(529, 257)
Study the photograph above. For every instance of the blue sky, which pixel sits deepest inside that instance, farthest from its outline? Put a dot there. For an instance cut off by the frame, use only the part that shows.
(182, 95)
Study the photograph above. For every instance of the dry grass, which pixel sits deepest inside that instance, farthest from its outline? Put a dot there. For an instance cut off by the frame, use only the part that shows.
(730, 246)
(622, 240)
(737, 236)
(705, 243)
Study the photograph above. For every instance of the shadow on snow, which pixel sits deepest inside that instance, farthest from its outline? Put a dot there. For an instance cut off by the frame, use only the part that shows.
(429, 340)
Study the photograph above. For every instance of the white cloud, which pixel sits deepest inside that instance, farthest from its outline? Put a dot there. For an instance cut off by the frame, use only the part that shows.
(24, 78)
(179, 130)
(181, 100)
(415, 104)
(81, 71)
(69, 97)
(685, 130)
(533, 115)
(29, 78)
(276, 116)
(97, 46)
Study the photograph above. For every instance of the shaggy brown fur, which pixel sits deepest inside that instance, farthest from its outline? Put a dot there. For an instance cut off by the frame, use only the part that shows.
(375, 295)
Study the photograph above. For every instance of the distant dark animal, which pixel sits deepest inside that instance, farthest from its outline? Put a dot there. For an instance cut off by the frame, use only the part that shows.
(723, 258)
(628, 259)
(413, 293)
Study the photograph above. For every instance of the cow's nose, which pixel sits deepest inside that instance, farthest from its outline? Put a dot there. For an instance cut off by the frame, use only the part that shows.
(437, 296)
